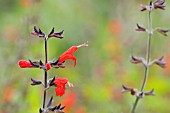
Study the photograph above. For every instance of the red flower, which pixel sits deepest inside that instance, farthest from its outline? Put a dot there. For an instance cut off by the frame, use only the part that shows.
(68, 55)
(60, 85)
(25, 64)
(48, 66)
(34, 64)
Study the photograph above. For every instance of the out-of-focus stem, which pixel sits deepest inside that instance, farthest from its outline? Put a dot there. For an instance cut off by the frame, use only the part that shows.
(147, 60)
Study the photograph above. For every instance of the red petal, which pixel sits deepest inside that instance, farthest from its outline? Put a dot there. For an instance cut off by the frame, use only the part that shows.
(59, 91)
(71, 50)
(24, 64)
(48, 66)
(61, 81)
(67, 57)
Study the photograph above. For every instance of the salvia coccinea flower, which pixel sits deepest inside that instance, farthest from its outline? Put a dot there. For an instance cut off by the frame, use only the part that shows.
(38, 32)
(159, 4)
(25, 64)
(139, 28)
(61, 85)
(54, 34)
(162, 31)
(67, 55)
(34, 64)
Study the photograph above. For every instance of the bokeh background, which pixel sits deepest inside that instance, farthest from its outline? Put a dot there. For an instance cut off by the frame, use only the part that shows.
(102, 67)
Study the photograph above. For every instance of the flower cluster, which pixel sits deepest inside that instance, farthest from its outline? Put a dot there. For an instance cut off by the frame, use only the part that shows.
(59, 83)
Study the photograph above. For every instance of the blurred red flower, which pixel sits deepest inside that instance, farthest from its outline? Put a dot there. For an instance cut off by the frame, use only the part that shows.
(26, 3)
(68, 55)
(69, 102)
(61, 86)
(25, 64)
(8, 93)
(115, 27)
(81, 110)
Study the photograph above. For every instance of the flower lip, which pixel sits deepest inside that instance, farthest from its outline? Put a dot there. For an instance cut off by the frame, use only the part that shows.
(60, 86)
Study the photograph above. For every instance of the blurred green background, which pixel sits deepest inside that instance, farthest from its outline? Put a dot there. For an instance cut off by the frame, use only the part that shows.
(102, 67)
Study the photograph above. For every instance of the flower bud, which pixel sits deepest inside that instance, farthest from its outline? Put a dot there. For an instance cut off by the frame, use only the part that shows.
(139, 28)
(162, 31)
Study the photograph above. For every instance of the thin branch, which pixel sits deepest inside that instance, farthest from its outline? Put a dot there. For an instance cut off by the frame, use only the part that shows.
(147, 59)
(45, 73)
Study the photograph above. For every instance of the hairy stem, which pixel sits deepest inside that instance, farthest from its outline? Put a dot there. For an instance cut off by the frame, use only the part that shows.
(45, 74)
(147, 60)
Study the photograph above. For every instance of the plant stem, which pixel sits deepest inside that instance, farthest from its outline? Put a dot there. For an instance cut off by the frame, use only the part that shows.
(147, 60)
(45, 73)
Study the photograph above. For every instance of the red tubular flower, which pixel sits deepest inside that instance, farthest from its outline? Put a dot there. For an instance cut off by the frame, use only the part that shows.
(60, 86)
(25, 64)
(68, 55)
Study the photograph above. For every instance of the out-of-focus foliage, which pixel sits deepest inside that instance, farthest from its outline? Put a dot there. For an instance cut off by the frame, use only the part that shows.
(102, 67)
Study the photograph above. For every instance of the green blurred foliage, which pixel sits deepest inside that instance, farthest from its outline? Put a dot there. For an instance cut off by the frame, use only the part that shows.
(102, 67)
